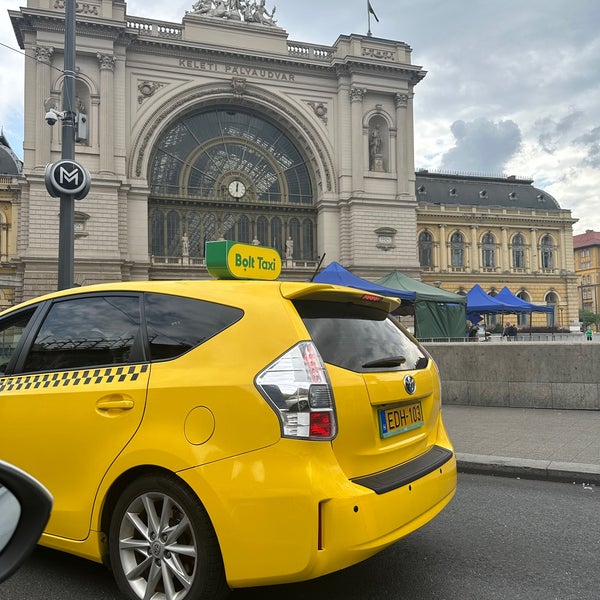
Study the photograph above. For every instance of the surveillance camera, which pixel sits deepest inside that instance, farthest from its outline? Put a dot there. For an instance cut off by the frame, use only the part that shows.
(51, 117)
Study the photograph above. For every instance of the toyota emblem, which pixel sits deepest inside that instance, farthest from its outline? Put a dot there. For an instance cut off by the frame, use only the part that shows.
(410, 385)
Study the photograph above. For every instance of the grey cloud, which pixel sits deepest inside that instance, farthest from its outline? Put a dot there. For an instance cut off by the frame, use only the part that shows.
(482, 145)
(591, 141)
(553, 132)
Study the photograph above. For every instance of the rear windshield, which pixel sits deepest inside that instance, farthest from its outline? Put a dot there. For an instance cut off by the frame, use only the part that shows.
(359, 338)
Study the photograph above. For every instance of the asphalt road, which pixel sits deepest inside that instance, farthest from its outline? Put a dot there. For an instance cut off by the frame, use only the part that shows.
(500, 538)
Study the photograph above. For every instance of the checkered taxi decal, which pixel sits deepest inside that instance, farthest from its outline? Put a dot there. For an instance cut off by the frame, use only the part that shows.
(127, 374)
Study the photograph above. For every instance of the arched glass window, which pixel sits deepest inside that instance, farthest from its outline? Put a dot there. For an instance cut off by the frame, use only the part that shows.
(194, 234)
(488, 251)
(239, 166)
(551, 300)
(157, 230)
(457, 249)
(209, 229)
(174, 233)
(307, 240)
(518, 252)
(243, 232)
(294, 233)
(277, 235)
(262, 230)
(523, 318)
(547, 250)
(426, 249)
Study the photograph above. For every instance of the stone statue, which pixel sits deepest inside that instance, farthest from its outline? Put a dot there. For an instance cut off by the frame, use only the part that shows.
(375, 157)
(185, 245)
(248, 10)
(289, 248)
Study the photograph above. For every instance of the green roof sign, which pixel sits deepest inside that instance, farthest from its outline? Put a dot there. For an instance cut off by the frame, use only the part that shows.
(231, 260)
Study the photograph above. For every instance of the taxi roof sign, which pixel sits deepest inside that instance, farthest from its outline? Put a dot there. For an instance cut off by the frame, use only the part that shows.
(231, 260)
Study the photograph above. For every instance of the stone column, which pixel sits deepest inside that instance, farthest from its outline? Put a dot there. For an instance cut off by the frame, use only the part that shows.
(443, 249)
(43, 132)
(533, 249)
(402, 140)
(505, 265)
(474, 250)
(106, 125)
(358, 138)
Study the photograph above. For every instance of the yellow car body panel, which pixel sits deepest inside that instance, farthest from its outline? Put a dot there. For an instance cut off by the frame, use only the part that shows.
(283, 509)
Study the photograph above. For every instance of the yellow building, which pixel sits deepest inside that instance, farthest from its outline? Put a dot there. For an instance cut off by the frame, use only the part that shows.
(10, 175)
(587, 267)
(496, 232)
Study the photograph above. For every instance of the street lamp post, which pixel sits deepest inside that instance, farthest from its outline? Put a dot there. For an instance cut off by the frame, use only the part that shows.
(66, 243)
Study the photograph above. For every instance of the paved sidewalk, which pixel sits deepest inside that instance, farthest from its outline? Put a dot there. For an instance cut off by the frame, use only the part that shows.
(558, 445)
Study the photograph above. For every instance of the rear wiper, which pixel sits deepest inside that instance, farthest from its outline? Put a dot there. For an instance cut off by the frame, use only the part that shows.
(388, 361)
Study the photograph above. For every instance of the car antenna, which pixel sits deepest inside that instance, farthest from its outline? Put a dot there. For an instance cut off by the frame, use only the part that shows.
(318, 266)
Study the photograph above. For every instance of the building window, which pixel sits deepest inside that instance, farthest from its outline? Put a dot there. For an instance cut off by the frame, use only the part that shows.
(243, 170)
(425, 249)
(547, 251)
(488, 251)
(457, 250)
(518, 252)
(551, 300)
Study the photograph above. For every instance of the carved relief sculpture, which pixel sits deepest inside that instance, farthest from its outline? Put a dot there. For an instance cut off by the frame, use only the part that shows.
(249, 11)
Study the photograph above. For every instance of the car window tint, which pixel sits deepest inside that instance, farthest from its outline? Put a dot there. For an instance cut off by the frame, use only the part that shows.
(85, 332)
(352, 336)
(11, 330)
(176, 324)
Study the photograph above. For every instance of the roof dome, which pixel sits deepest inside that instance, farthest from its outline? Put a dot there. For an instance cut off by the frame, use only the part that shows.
(9, 162)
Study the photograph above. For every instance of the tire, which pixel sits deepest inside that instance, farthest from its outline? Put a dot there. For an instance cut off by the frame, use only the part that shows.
(162, 543)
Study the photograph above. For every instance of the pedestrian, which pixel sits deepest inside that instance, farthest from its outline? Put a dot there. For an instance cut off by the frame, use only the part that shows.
(472, 331)
(510, 332)
(588, 334)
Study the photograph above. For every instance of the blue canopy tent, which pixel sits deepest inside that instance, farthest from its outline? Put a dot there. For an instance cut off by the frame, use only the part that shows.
(336, 274)
(478, 303)
(520, 305)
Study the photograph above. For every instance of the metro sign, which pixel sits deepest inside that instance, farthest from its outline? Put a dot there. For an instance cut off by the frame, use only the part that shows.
(67, 177)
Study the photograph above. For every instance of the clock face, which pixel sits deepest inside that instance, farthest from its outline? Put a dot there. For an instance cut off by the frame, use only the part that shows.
(237, 189)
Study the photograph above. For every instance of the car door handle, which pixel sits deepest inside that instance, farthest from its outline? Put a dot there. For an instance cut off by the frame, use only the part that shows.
(113, 404)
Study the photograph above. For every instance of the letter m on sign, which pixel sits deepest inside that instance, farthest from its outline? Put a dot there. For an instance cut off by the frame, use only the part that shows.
(65, 176)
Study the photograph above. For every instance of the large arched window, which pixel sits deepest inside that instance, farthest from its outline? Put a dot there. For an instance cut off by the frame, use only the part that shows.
(457, 250)
(551, 300)
(426, 249)
(239, 167)
(488, 251)
(518, 252)
(547, 253)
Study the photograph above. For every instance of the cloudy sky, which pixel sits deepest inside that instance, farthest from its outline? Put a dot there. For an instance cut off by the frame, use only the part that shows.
(513, 86)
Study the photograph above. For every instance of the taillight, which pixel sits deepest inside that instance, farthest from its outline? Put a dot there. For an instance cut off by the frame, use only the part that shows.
(298, 388)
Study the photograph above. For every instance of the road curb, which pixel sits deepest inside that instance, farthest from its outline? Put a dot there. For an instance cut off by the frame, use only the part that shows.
(528, 469)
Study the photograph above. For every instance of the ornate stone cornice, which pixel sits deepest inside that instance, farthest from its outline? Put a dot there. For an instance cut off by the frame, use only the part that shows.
(401, 100)
(357, 94)
(106, 61)
(43, 53)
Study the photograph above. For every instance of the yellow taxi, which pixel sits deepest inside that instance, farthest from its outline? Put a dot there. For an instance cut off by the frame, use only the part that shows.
(201, 436)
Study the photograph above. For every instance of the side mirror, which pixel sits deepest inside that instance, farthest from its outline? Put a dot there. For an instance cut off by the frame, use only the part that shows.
(25, 506)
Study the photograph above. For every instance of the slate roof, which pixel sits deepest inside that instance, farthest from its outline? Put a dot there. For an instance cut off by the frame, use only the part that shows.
(589, 238)
(9, 162)
(472, 190)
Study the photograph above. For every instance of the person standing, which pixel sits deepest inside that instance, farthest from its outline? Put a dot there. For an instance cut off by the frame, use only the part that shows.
(588, 334)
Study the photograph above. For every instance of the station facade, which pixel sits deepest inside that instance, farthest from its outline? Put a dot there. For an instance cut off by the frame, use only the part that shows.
(221, 127)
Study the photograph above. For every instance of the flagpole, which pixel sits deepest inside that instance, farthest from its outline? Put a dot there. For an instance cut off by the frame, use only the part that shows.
(369, 19)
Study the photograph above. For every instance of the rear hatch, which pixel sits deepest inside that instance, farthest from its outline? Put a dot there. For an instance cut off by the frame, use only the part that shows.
(385, 387)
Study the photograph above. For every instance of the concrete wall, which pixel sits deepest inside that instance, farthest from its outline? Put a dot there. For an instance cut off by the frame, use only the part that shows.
(528, 374)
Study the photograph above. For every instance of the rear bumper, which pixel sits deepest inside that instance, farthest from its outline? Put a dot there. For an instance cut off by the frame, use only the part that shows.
(288, 513)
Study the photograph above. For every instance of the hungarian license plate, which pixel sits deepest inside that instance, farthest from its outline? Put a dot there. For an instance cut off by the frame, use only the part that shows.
(399, 419)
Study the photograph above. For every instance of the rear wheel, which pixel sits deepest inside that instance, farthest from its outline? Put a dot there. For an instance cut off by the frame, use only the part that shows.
(163, 545)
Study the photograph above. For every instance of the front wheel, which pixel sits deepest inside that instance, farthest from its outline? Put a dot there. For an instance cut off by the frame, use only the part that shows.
(163, 545)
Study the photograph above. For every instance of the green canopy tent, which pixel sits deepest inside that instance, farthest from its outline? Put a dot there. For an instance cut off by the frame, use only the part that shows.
(438, 313)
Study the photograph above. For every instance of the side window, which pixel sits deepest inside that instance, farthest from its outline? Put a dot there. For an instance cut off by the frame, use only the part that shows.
(176, 324)
(11, 330)
(85, 332)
